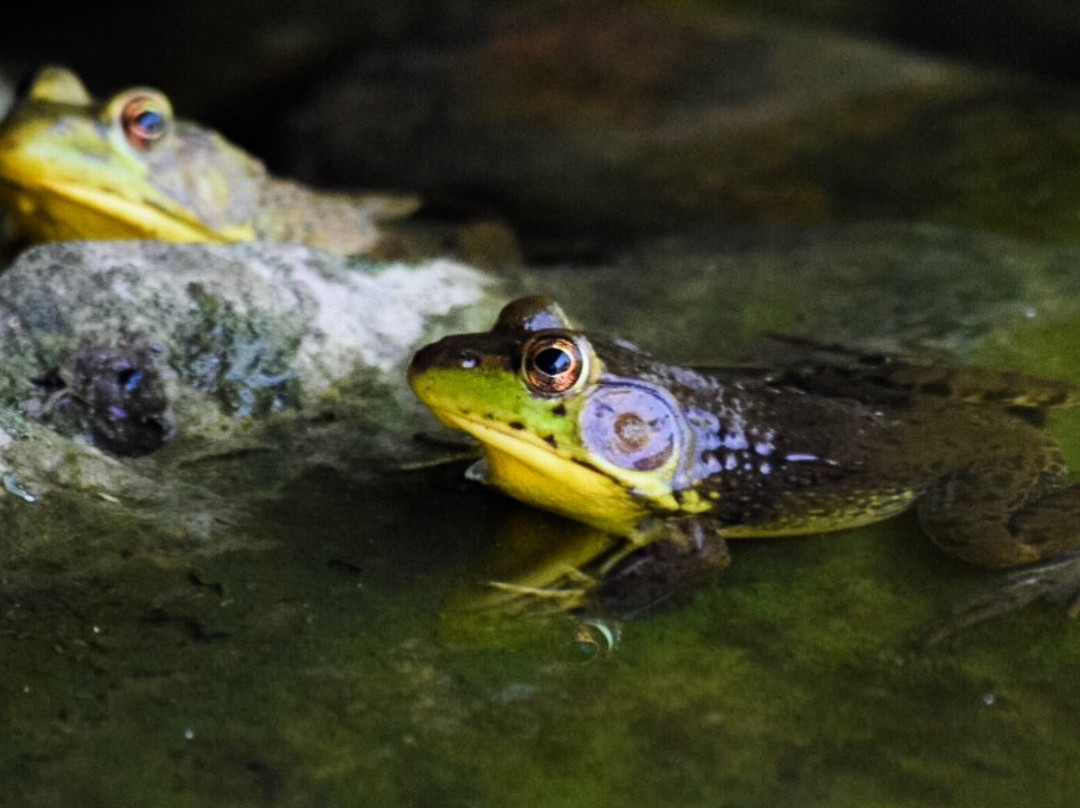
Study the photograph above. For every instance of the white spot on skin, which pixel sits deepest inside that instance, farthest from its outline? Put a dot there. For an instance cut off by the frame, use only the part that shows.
(764, 448)
(736, 441)
(731, 462)
(801, 458)
(705, 426)
(765, 468)
(622, 343)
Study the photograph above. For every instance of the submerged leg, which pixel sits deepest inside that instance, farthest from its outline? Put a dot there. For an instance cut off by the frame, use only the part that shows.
(1057, 580)
(1012, 512)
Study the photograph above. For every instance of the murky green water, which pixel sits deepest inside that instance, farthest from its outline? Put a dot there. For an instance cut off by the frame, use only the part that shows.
(310, 653)
(313, 646)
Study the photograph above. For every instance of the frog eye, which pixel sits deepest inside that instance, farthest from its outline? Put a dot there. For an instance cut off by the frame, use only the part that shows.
(552, 364)
(146, 120)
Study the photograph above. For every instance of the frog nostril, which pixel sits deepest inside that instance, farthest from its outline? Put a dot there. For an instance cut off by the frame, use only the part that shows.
(444, 355)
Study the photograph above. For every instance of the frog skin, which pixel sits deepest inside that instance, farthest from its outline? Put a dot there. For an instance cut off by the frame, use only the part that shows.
(125, 168)
(601, 432)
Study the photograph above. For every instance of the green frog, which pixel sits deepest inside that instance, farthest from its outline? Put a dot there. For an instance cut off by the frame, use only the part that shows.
(680, 460)
(75, 168)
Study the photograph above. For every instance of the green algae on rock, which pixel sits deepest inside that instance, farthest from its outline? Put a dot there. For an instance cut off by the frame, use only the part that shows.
(232, 331)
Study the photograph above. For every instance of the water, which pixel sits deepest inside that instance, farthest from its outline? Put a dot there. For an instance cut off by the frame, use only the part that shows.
(315, 650)
(316, 670)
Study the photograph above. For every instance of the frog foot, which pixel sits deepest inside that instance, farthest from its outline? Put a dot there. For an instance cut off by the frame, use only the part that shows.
(574, 588)
(1056, 580)
(656, 577)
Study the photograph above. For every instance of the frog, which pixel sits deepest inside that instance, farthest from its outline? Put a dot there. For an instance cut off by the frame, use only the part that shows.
(126, 167)
(111, 395)
(678, 460)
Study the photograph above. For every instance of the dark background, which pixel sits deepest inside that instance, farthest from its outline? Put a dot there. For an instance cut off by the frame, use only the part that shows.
(239, 64)
(441, 98)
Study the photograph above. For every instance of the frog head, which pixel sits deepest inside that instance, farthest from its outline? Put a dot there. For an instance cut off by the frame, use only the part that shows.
(577, 425)
(75, 168)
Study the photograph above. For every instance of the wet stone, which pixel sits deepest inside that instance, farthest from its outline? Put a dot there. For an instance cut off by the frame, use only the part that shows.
(113, 349)
(254, 327)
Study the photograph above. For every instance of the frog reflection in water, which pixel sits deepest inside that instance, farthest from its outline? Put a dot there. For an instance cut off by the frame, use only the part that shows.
(74, 168)
(667, 457)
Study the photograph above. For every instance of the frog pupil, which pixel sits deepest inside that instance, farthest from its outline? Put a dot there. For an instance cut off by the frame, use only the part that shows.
(151, 123)
(553, 361)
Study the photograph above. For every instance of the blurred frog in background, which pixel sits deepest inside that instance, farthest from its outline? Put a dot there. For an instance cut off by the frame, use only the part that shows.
(127, 168)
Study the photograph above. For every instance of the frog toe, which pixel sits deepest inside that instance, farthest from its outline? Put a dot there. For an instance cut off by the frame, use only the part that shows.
(1056, 580)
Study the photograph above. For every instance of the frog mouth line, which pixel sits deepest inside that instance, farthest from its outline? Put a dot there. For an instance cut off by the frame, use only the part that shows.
(522, 445)
(140, 215)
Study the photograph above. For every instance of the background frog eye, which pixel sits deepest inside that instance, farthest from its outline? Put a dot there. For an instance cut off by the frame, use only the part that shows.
(552, 365)
(145, 122)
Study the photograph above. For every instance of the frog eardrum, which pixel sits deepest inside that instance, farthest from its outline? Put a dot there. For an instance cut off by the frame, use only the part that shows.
(632, 426)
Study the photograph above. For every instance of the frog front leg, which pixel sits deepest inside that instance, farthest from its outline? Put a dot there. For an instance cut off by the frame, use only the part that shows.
(680, 556)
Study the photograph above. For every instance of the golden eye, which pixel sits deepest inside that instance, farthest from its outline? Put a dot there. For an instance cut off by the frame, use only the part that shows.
(552, 364)
(145, 120)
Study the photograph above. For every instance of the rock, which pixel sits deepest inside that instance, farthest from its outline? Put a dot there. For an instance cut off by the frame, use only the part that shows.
(242, 324)
(1035, 37)
(595, 124)
(111, 348)
(602, 121)
(882, 286)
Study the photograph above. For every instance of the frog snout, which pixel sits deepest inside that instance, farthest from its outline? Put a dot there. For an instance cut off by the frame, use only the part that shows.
(460, 352)
(442, 354)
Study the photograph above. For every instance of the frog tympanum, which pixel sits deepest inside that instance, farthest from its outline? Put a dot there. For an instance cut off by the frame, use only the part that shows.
(601, 432)
(75, 168)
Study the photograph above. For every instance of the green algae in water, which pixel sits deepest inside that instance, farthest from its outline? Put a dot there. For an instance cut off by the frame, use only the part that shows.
(297, 653)
(312, 670)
